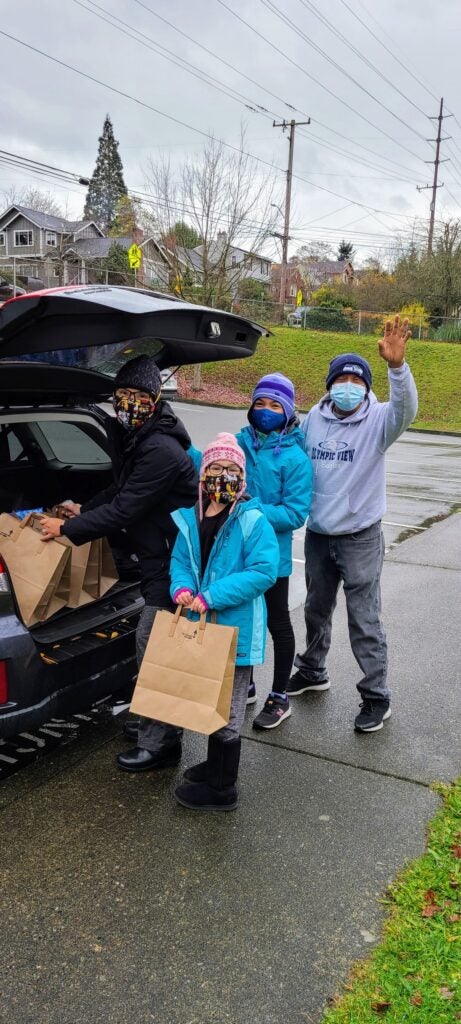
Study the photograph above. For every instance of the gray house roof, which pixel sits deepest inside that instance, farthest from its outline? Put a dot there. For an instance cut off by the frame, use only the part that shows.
(99, 248)
(48, 221)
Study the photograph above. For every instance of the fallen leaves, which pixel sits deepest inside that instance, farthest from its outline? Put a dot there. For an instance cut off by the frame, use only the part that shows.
(416, 999)
(445, 993)
(456, 850)
(431, 907)
(381, 1007)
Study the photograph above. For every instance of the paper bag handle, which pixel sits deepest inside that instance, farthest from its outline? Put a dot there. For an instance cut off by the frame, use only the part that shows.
(181, 610)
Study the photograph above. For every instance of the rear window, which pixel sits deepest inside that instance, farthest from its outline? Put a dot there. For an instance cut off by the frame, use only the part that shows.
(72, 445)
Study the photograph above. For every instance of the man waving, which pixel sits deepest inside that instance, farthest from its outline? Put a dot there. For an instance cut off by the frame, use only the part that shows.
(346, 436)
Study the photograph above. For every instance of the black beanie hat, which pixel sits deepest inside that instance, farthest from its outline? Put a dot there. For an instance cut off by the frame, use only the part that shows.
(141, 373)
(349, 362)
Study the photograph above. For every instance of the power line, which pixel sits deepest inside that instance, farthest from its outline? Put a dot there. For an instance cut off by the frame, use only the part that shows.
(216, 56)
(389, 51)
(287, 21)
(184, 124)
(346, 42)
(316, 80)
(213, 82)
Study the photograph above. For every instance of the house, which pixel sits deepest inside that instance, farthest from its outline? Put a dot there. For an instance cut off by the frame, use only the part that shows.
(238, 263)
(294, 283)
(59, 251)
(31, 242)
(319, 272)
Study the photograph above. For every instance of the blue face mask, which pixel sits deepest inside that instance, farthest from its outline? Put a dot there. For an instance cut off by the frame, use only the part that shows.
(347, 396)
(267, 420)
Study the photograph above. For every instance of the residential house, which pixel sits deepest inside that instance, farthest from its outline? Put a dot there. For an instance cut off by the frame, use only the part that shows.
(294, 283)
(319, 272)
(239, 264)
(59, 251)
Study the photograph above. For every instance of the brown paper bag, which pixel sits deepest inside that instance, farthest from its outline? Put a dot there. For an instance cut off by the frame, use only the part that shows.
(93, 570)
(40, 573)
(187, 674)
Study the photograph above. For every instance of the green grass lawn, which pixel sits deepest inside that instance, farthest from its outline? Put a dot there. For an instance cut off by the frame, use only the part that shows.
(415, 974)
(304, 356)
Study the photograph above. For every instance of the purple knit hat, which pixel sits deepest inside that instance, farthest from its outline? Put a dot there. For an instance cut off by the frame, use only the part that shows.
(280, 389)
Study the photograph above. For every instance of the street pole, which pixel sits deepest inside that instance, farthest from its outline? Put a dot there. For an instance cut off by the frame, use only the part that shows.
(440, 117)
(292, 125)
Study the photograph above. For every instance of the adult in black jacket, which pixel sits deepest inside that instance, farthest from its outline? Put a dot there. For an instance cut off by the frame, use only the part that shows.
(154, 475)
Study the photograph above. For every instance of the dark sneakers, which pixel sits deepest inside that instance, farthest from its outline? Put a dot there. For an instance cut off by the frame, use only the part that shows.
(372, 715)
(299, 684)
(251, 698)
(273, 713)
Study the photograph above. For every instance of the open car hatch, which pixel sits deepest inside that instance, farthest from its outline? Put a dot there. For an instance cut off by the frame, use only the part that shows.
(112, 319)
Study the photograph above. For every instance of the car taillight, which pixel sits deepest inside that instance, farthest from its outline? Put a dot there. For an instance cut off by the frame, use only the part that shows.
(3, 683)
(4, 582)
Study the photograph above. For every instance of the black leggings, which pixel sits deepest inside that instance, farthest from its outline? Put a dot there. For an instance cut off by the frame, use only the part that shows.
(281, 631)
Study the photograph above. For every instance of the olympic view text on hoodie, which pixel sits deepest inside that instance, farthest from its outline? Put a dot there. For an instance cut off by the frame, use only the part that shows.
(349, 484)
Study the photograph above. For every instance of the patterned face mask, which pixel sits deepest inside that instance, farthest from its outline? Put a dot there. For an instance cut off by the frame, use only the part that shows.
(133, 412)
(223, 488)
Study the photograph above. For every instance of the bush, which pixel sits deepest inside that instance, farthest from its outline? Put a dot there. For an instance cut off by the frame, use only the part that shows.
(418, 319)
(325, 319)
(448, 332)
(333, 296)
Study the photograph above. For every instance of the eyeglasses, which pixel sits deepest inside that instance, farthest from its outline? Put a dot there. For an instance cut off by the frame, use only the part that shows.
(216, 469)
(132, 395)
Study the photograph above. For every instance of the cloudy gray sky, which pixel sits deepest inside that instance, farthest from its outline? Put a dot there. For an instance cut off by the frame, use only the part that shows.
(357, 165)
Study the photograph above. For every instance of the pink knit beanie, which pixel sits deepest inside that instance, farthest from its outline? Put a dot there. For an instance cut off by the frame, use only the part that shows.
(223, 447)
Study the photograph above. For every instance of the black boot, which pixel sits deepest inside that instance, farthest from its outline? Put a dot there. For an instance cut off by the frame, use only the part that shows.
(140, 760)
(197, 772)
(218, 792)
(130, 729)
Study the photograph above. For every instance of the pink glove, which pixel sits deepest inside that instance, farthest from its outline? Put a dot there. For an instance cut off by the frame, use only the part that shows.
(183, 596)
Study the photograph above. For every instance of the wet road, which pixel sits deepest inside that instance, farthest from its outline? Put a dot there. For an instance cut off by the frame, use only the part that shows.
(423, 478)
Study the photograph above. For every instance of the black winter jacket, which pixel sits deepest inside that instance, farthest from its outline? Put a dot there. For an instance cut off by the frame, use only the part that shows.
(154, 475)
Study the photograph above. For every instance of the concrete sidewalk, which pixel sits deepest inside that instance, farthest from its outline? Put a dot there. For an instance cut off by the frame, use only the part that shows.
(120, 906)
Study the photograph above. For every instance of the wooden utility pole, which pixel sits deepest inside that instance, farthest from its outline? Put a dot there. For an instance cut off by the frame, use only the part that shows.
(436, 162)
(292, 125)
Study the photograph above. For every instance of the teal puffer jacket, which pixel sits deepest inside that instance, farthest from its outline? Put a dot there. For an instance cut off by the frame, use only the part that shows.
(279, 473)
(242, 566)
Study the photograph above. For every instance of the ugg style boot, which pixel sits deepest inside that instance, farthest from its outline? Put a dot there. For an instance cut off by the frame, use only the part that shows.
(217, 791)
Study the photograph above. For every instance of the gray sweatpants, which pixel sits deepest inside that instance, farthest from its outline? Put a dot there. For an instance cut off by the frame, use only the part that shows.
(155, 736)
(356, 559)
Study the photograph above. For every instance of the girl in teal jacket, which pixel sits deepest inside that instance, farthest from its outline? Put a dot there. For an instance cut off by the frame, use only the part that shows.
(224, 559)
(279, 473)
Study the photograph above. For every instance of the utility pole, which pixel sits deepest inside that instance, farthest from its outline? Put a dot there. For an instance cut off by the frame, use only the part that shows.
(440, 117)
(292, 125)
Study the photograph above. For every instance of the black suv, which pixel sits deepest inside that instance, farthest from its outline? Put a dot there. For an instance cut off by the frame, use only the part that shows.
(53, 446)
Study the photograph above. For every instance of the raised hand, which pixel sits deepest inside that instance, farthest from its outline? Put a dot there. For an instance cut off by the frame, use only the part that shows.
(392, 346)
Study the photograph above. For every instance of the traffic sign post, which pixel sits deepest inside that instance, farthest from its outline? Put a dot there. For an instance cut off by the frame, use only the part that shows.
(134, 256)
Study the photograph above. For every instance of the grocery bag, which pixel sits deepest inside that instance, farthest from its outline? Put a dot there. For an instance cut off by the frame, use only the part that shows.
(187, 674)
(40, 572)
(93, 570)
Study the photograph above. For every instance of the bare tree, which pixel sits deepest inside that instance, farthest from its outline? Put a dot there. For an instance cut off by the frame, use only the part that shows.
(224, 198)
(33, 199)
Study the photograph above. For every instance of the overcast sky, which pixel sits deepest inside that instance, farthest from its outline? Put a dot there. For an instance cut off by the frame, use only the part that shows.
(54, 115)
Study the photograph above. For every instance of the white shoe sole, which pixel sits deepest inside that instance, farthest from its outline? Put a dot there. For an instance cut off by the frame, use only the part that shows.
(375, 728)
(309, 688)
(274, 725)
(252, 700)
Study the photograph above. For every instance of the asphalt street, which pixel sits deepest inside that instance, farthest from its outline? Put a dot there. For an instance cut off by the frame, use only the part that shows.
(118, 905)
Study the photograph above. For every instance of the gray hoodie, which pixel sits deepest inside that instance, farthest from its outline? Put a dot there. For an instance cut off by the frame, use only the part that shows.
(349, 485)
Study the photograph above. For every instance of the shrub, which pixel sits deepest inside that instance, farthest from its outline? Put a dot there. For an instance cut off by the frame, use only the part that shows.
(448, 332)
(326, 319)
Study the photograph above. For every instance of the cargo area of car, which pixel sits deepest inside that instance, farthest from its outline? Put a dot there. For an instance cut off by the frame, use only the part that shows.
(47, 456)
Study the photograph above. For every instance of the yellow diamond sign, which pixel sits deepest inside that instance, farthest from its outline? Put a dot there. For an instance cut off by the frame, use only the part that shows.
(134, 256)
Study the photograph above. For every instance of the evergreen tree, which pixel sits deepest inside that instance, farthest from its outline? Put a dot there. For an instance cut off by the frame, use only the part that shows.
(346, 251)
(124, 222)
(107, 184)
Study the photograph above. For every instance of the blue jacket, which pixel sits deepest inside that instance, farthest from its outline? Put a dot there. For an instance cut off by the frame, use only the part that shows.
(280, 474)
(241, 567)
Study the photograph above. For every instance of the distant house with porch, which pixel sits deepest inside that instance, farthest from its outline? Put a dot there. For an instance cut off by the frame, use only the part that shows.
(58, 251)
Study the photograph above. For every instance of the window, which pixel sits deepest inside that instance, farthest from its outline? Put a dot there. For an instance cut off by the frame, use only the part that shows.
(23, 238)
(264, 268)
(11, 449)
(71, 444)
(2, 238)
(56, 271)
(234, 259)
(293, 290)
(51, 238)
